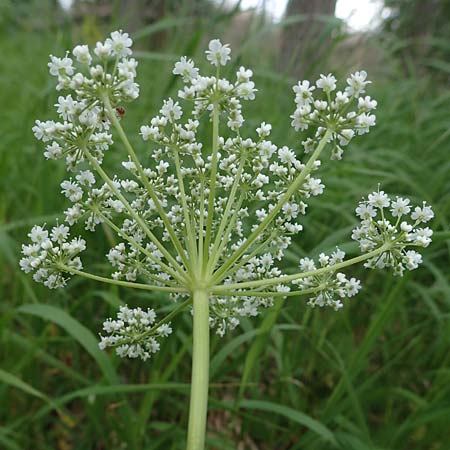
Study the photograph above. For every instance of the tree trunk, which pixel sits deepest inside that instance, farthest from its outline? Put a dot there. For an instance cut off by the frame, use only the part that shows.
(307, 39)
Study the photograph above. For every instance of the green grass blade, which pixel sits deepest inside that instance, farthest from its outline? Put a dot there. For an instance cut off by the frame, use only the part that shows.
(291, 414)
(14, 381)
(78, 331)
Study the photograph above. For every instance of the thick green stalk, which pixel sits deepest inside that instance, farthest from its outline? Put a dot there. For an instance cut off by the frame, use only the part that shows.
(200, 372)
(221, 273)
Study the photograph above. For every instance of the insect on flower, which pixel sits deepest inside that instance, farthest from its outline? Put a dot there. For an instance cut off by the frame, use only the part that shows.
(120, 111)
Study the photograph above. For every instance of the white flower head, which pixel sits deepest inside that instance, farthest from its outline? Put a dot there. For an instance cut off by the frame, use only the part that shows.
(119, 43)
(185, 67)
(249, 193)
(218, 54)
(385, 225)
(81, 53)
(326, 82)
(133, 333)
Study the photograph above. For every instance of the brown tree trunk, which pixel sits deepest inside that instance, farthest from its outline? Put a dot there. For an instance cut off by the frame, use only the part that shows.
(305, 41)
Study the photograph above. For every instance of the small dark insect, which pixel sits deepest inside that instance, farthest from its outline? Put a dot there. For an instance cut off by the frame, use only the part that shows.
(120, 111)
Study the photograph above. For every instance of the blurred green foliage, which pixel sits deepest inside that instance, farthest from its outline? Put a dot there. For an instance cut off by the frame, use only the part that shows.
(373, 376)
(421, 31)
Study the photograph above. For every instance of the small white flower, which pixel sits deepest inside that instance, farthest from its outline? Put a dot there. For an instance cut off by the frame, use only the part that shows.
(103, 50)
(61, 67)
(71, 190)
(379, 199)
(412, 259)
(243, 75)
(218, 54)
(400, 206)
(424, 214)
(171, 110)
(366, 103)
(352, 287)
(303, 93)
(286, 155)
(81, 53)
(264, 130)
(53, 151)
(365, 211)
(186, 68)
(38, 234)
(119, 43)
(60, 233)
(326, 82)
(357, 83)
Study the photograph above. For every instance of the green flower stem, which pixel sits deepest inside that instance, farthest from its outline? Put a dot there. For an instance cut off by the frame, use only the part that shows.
(213, 260)
(297, 276)
(217, 253)
(201, 223)
(213, 176)
(187, 218)
(166, 319)
(132, 213)
(268, 294)
(200, 372)
(113, 117)
(135, 244)
(258, 249)
(146, 287)
(222, 272)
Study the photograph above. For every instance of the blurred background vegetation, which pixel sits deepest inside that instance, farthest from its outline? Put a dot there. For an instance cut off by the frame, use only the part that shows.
(373, 376)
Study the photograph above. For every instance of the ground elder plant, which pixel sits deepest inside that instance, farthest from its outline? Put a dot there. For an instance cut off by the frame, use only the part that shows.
(206, 222)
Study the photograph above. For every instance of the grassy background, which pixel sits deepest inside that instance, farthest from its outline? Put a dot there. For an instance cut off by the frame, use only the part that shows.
(373, 376)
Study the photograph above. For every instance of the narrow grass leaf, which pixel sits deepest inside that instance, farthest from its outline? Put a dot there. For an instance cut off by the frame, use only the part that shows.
(291, 414)
(78, 331)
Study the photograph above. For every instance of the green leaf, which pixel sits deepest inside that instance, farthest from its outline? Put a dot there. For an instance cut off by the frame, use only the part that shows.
(78, 331)
(233, 345)
(13, 380)
(161, 25)
(258, 345)
(115, 389)
(291, 414)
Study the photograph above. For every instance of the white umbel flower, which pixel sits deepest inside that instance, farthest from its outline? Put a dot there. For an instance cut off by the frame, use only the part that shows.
(218, 54)
(384, 228)
(132, 334)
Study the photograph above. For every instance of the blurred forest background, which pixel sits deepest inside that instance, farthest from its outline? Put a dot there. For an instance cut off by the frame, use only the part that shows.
(375, 376)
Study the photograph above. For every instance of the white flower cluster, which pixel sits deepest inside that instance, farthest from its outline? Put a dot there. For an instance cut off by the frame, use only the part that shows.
(393, 223)
(333, 112)
(203, 91)
(49, 253)
(84, 125)
(233, 206)
(133, 334)
(226, 311)
(331, 287)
